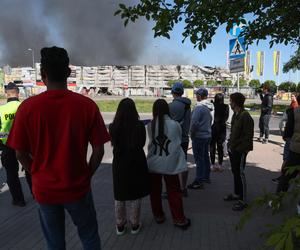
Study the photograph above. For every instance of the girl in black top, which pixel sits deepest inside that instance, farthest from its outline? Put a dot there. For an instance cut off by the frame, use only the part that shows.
(218, 131)
(130, 171)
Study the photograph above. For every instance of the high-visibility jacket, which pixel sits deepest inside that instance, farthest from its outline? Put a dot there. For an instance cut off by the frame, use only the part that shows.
(7, 116)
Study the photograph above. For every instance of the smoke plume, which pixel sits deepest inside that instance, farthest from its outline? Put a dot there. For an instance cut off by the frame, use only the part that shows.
(87, 29)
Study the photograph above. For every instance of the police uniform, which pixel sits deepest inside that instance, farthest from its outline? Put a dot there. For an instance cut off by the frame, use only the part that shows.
(8, 156)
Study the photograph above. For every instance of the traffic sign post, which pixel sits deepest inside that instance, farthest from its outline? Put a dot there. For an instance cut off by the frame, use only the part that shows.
(237, 48)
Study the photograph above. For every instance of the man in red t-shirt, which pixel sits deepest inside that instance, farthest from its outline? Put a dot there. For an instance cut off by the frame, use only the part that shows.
(50, 134)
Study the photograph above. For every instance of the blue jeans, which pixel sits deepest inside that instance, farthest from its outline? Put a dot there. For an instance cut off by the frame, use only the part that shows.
(83, 214)
(201, 155)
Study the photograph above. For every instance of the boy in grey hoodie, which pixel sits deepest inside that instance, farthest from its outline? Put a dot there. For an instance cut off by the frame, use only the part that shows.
(200, 131)
(180, 111)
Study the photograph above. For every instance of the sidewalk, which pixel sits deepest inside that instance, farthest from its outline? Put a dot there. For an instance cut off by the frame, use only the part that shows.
(213, 221)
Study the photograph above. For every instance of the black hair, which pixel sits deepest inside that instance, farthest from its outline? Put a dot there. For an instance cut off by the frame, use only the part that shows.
(55, 63)
(238, 99)
(125, 123)
(160, 108)
(219, 98)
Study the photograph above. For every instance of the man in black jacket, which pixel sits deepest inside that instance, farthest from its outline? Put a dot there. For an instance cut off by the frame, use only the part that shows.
(266, 109)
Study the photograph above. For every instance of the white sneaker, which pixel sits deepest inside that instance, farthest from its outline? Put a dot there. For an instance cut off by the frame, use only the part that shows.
(137, 230)
(121, 230)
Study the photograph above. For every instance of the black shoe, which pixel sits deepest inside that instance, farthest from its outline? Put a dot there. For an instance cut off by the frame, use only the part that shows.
(265, 141)
(239, 206)
(207, 181)
(18, 203)
(196, 185)
(276, 180)
(184, 225)
(184, 192)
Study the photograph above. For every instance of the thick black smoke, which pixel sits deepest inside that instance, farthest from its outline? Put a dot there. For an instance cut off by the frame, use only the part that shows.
(87, 29)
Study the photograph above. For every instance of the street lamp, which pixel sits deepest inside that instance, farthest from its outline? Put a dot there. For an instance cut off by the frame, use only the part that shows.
(32, 53)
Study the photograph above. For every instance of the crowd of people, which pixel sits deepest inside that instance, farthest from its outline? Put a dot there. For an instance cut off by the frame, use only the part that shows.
(49, 135)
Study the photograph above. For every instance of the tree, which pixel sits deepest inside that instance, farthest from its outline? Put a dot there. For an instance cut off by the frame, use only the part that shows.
(226, 83)
(198, 83)
(298, 87)
(185, 83)
(212, 83)
(254, 83)
(278, 20)
(293, 63)
(242, 82)
(288, 86)
(271, 84)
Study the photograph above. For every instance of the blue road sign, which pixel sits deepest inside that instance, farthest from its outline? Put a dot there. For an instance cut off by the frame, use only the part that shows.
(237, 48)
(236, 30)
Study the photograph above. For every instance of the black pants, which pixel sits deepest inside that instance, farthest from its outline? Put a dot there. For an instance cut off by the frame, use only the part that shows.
(264, 121)
(238, 163)
(11, 165)
(284, 180)
(217, 140)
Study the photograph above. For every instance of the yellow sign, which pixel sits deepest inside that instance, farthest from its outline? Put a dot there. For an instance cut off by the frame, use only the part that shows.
(260, 63)
(276, 61)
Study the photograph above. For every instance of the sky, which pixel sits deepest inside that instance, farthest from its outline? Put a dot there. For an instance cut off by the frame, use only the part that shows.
(215, 53)
(94, 36)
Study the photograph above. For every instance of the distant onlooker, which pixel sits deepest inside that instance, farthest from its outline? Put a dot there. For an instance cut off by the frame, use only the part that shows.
(200, 131)
(265, 116)
(130, 171)
(218, 134)
(240, 143)
(180, 111)
(166, 160)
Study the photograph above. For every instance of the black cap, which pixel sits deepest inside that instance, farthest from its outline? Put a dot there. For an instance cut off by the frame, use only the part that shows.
(11, 86)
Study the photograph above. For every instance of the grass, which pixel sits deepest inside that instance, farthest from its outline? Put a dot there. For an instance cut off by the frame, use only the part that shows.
(145, 106)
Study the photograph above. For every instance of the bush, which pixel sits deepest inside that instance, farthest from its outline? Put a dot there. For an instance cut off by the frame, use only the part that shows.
(254, 83)
(198, 83)
(243, 82)
(226, 83)
(186, 83)
(212, 83)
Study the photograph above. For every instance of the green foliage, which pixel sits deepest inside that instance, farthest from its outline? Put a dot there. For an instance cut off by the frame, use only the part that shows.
(171, 82)
(198, 83)
(243, 82)
(284, 236)
(271, 84)
(293, 63)
(226, 83)
(186, 83)
(254, 83)
(298, 87)
(288, 86)
(212, 83)
(201, 19)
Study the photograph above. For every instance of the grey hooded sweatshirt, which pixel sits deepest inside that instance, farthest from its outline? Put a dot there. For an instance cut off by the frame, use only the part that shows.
(180, 111)
(202, 119)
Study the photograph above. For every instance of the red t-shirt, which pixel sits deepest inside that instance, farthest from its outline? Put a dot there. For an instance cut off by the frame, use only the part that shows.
(55, 127)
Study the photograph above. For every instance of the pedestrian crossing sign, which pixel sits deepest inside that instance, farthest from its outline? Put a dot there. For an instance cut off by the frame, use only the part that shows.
(237, 48)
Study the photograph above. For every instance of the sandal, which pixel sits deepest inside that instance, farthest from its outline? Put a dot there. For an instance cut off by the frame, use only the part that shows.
(231, 197)
(184, 225)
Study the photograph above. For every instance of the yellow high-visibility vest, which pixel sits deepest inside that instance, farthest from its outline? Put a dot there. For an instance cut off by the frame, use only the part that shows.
(7, 116)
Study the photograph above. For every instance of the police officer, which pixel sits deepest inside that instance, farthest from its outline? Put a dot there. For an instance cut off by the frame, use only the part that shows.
(8, 156)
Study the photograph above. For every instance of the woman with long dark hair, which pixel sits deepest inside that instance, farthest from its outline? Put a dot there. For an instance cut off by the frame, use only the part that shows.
(166, 160)
(218, 131)
(130, 171)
